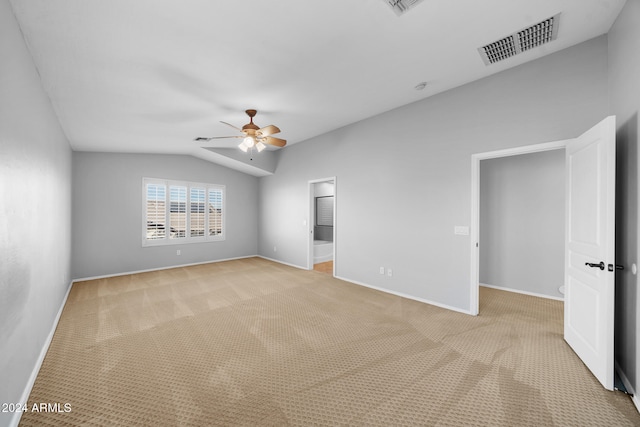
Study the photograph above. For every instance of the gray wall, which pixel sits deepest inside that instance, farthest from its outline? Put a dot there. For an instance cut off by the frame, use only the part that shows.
(405, 175)
(107, 212)
(624, 86)
(412, 197)
(35, 213)
(522, 222)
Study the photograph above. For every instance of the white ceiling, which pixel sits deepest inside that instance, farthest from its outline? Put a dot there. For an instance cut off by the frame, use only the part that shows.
(148, 76)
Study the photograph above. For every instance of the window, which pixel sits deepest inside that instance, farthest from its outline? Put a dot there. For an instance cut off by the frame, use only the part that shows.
(198, 213)
(177, 211)
(324, 211)
(195, 212)
(215, 211)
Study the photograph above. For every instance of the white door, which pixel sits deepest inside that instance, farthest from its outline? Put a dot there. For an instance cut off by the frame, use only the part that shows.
(590, 248)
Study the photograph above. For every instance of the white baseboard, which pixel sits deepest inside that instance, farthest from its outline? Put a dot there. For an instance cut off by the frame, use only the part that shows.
(15, 420)
(624, 379)
(628, 386)
(517, 291)
(400, 294)
(282, 262)
(106, 276)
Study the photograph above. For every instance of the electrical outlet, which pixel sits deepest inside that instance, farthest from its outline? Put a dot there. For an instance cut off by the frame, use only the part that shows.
(275, 249)
(381, 270)
(178, 252)
(389, 272)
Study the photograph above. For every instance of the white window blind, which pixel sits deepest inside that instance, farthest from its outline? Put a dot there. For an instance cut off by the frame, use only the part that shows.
(181, 212)
(324, 211)
(197, 198)
(215, 212)
(177, 212)
(156, 211)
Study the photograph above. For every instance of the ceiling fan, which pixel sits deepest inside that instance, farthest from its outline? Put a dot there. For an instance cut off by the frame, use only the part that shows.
(252, 135)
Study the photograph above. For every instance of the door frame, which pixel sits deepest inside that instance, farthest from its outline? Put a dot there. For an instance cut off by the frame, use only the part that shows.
(311, 220)
(474, 282)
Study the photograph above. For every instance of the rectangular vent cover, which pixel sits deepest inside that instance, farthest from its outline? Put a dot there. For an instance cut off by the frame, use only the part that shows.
(528, 38)
(402, 6)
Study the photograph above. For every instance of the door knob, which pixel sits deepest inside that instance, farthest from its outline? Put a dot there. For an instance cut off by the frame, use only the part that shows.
(600, 266)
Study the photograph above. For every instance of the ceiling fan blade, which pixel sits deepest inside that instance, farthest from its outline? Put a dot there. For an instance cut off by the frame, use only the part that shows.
(268, 130)
(217, 137)
(274, 141)
(229, 124)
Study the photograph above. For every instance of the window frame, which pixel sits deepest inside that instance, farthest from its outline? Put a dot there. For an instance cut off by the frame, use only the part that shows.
(187, 238)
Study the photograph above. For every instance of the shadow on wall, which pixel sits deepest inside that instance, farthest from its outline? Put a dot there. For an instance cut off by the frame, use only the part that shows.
(626, 237)
(16, 286)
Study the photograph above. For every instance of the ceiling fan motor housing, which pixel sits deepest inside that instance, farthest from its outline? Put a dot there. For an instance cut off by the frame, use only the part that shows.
(250, 128)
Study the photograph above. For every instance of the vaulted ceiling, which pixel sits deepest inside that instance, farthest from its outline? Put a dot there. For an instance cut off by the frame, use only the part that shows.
(147, 76)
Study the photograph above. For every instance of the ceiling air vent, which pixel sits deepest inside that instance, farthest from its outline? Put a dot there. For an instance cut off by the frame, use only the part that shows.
(528, 38)
(402, 6)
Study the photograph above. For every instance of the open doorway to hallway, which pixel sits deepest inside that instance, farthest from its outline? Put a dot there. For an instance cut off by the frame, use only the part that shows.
(322, 225)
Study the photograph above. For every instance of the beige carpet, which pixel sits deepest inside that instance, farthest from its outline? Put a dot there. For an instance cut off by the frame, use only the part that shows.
(252, 342)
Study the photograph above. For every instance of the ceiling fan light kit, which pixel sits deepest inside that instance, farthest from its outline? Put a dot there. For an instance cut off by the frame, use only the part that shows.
(252, 135)
(248, 142)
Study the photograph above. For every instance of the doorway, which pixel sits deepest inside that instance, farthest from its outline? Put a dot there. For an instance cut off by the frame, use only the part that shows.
(475, 208)
(322, 225)
(589, 302)
(522, 223)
